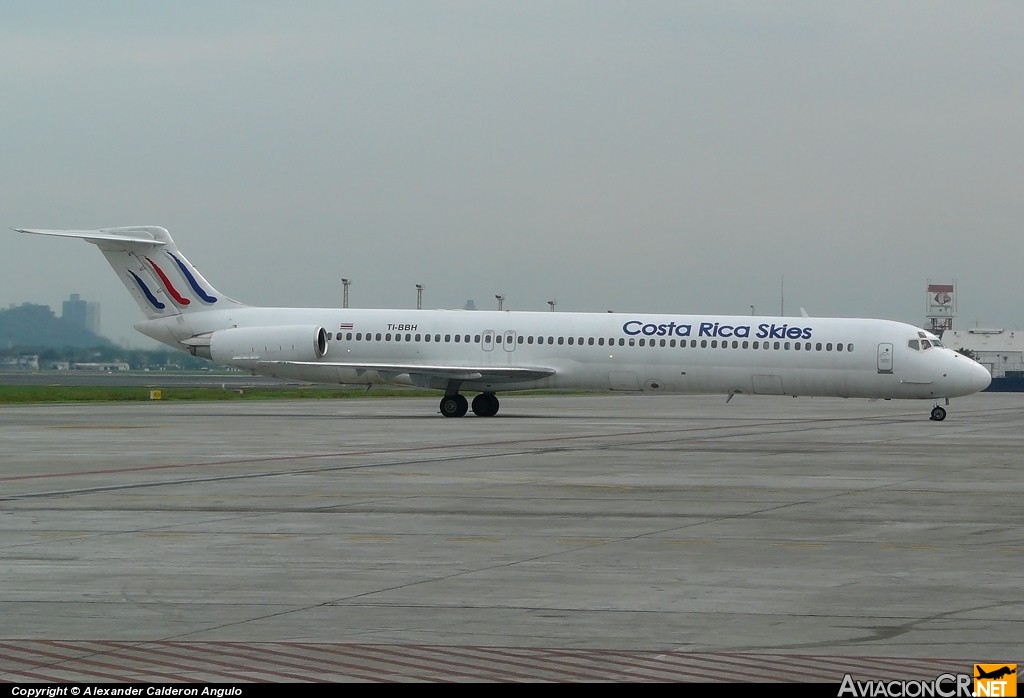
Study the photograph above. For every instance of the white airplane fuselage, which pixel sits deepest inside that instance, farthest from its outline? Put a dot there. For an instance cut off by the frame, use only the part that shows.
(802, 356)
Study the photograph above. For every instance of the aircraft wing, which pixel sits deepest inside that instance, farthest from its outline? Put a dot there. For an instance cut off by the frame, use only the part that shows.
(492, 374)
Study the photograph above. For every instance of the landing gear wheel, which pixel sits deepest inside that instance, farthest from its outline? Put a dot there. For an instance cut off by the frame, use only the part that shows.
(454, 405)
(485, 405)
(938, 414)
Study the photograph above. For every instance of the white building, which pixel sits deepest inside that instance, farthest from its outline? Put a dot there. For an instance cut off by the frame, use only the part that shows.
(1000, 351)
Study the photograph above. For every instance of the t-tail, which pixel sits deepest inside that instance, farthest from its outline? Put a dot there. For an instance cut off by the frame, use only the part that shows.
(159, 277)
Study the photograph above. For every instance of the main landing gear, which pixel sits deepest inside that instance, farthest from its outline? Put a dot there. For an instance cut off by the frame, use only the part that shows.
(484, 405)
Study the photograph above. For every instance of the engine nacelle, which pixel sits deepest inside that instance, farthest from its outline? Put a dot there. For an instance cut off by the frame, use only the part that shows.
(280, 343)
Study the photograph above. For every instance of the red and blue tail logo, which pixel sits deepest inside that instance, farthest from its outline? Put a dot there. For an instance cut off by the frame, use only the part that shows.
(168, 286)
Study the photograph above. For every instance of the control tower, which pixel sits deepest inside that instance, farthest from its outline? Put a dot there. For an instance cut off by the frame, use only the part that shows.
(940, 307)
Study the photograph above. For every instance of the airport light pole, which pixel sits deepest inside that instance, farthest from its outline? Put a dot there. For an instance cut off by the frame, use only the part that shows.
(501, 300)
(419, 296)
(344, 296)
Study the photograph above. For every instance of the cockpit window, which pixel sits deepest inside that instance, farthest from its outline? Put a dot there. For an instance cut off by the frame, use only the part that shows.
(925, 342)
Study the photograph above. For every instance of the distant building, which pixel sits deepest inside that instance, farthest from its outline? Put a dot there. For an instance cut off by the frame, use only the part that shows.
(83, 314)
(25, 362)
(470, 305)
(101, 366)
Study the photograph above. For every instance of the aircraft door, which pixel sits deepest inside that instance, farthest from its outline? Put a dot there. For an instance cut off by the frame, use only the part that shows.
(487, 341)
(510, 340)
(885, 357)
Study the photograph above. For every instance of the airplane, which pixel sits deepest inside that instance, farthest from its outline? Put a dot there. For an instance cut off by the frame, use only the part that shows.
(995, 674)
(487, 352)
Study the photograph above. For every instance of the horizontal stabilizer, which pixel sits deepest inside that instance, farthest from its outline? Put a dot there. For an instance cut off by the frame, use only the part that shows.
(140, 236)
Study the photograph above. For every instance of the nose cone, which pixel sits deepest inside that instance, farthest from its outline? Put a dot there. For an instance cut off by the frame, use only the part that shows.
(980, 377)
(966, 376)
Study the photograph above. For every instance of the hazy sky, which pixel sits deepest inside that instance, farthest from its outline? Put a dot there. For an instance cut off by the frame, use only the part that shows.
(676, 157)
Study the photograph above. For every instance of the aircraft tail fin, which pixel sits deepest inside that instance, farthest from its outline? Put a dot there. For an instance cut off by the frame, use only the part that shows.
(160, 279)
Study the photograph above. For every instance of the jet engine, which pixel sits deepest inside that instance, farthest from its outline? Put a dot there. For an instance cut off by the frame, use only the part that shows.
(280, 343)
